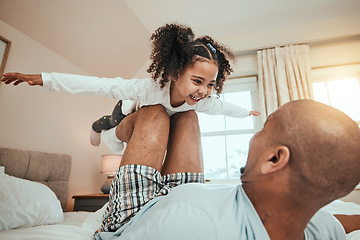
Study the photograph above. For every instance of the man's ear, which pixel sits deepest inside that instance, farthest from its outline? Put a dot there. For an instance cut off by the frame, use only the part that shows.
(277, 161)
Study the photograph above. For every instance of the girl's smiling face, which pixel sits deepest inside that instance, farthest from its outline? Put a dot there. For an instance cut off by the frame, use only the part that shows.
(194, 84)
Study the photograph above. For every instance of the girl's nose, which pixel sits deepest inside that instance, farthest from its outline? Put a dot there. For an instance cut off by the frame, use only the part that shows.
(203, 90)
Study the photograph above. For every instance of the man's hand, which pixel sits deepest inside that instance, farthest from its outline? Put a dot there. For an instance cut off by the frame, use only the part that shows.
(17, 78)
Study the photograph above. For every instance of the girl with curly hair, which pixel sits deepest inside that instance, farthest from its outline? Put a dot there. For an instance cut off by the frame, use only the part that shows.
(177, 60)
(184, 72)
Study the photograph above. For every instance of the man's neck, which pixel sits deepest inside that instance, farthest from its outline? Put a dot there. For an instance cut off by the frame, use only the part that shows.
(282, 217)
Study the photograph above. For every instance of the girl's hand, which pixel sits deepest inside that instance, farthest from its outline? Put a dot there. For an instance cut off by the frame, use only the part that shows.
(17, 78)
(254, 113)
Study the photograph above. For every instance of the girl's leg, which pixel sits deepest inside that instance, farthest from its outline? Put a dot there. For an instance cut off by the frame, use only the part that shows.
(109, 121)
(105, 123)
(146, 133)
(95, 138)
(184, 153)
(116, 115)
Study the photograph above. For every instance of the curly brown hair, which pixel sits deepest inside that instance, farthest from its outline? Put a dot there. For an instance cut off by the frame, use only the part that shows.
(174, 49)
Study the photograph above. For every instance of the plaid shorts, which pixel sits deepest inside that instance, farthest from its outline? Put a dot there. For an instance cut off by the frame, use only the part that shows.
(134, 186)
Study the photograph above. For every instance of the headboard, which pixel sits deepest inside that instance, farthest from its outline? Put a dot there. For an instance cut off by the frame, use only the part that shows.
(51, 169)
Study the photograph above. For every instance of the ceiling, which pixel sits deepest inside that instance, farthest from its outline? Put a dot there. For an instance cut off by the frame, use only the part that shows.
(111, 38)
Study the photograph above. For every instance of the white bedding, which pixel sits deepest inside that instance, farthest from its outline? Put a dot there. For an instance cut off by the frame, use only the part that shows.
(76, 226)
(82, 225)
(25, 203)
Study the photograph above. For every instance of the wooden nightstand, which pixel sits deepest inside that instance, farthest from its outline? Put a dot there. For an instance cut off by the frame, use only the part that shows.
(90, 202)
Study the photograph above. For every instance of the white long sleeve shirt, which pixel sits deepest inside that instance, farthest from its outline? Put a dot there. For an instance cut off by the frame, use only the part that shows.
(140, 92)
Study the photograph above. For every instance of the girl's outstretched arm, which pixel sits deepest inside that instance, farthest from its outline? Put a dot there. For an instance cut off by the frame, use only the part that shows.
(17, 78)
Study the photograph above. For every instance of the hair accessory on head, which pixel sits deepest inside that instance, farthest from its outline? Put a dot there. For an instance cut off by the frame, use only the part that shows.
(189, 38)
(211, 47)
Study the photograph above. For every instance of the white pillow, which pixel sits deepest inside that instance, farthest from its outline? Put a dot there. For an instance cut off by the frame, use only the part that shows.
(24, 203)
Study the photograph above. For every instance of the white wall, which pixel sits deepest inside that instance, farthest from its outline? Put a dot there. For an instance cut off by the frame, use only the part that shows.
(34, 119)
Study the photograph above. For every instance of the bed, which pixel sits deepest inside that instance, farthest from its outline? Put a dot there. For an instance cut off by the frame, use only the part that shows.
(34, 187)
(38, 183)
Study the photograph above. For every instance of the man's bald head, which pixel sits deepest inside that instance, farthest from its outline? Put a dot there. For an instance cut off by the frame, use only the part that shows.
(324, 146)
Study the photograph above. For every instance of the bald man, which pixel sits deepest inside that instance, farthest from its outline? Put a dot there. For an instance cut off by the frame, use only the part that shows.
(306, 156)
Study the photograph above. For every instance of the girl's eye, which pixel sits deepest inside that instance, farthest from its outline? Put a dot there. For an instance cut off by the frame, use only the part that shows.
(197, 81)
(211, 85)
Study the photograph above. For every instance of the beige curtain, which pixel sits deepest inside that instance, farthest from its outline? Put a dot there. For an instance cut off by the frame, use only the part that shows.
(284, 75)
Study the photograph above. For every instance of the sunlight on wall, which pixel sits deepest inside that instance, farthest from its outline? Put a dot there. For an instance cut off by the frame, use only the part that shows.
(343, 94)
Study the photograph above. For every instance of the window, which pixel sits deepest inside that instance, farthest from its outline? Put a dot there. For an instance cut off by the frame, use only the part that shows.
(225, 140)
(339, 87)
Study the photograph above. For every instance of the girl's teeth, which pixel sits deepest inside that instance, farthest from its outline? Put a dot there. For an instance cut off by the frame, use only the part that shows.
(193, 97)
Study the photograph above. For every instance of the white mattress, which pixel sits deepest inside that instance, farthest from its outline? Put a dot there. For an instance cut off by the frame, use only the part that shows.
(82, 225)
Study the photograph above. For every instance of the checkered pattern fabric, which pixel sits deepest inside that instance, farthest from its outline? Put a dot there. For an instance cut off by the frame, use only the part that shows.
(134, 186)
